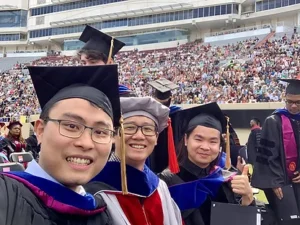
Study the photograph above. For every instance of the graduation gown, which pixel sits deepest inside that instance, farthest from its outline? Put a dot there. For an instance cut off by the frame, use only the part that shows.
(196, 208)
(148, 201)
(270, 169)
(252, 146)
(32, 146)
(29, 200)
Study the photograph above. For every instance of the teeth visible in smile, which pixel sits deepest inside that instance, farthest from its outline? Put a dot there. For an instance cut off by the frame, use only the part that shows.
(138, 146)
(79, 161)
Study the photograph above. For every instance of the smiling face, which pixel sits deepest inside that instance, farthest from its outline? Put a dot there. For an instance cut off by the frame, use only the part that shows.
(138, 146)
(73, 161)
(15, 130)
(203, 145)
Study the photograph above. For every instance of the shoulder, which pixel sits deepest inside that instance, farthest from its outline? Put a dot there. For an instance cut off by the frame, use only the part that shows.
(22, 202)
(169, 178)
(15, 189)
(273, 118)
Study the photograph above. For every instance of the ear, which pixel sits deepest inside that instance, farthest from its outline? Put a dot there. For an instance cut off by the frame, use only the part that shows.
(156, 138)
(113, 140)
(39, 129)
(185, 140)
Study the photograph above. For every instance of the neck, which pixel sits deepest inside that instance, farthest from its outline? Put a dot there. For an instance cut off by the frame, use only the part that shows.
(75, 189)
(139, 165)
(201, 165)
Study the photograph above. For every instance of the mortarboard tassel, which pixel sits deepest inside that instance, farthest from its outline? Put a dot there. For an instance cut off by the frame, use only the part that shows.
(123, 159)
(228, 160)
(173, 163)
(110, 60)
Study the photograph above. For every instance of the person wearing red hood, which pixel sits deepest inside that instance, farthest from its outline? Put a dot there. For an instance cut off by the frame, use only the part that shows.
(13, 142)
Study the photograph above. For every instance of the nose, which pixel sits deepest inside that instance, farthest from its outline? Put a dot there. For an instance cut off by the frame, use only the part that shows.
(139, 134)
(85, 141)
(204, 146)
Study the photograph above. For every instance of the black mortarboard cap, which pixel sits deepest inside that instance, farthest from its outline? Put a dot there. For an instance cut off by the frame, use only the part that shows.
(208, 115)
(32, 123)
(293, 87)
(12, 123)
(96, 40)
(96, 84)
(163, 88)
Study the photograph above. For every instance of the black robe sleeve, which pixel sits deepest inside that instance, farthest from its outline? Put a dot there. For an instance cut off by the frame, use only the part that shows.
(32, 146)
(252, 146)
(268, 167)
(19, 206)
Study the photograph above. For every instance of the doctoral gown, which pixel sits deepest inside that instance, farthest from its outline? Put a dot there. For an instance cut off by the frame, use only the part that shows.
(198, 211)
(148, 201)
(29, 200)
(270, 166)
(252, 145)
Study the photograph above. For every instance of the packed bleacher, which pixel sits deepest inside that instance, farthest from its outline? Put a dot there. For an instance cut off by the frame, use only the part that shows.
(245, 72)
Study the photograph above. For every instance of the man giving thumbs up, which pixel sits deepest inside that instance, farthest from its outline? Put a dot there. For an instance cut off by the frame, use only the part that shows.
(240, 185)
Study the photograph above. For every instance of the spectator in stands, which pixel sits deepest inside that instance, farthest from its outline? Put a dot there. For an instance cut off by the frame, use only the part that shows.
(13, 142)
(2, 127)
(234, 73)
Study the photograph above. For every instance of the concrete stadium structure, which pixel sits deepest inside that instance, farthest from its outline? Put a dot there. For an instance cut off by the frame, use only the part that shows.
(37, 27)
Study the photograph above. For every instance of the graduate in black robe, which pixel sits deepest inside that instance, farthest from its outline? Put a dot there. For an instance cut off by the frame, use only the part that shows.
(277, 163)
(162, 92)
(253, 140)
(80, 107)
(32, 145)
(200, 180)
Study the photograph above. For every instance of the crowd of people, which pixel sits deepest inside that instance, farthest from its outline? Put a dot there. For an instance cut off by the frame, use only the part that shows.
(239, 73)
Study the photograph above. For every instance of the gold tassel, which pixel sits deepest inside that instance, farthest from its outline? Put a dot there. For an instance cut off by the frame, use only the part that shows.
(109, 60)
(123, 159)
(228, 159)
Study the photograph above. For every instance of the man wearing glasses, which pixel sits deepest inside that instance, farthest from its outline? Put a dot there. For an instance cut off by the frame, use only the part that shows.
(277, 166)
(80, 108)
(148, 200)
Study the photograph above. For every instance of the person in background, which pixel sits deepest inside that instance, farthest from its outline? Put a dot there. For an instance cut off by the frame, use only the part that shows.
(13, 142)
(277, 166)
(2, 134)
(253, 140)
(80, 109)
(98, 48)
(158, 160)
(32, 145)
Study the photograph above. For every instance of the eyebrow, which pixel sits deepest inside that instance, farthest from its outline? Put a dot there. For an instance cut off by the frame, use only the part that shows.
(142, 124)
(200, 136)
(81, 120)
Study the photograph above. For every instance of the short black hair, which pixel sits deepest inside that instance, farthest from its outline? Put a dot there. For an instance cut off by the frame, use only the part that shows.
(256, 120)
(93, 55)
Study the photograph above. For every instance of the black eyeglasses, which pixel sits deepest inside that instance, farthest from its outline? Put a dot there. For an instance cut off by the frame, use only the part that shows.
(72, 129)
(290, 102)
(147, 130)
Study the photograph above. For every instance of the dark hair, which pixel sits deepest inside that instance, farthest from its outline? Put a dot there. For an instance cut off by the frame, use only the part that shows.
(129, 94)
(93, 55)
(183, 153)
(256, 120)
(45, 113)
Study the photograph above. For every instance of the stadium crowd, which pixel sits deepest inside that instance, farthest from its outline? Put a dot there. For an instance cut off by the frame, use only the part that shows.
(239, 73)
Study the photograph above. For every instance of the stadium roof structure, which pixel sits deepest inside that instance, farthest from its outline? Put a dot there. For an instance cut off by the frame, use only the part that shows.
(7, 7)
(119, 15)
(63, 1)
